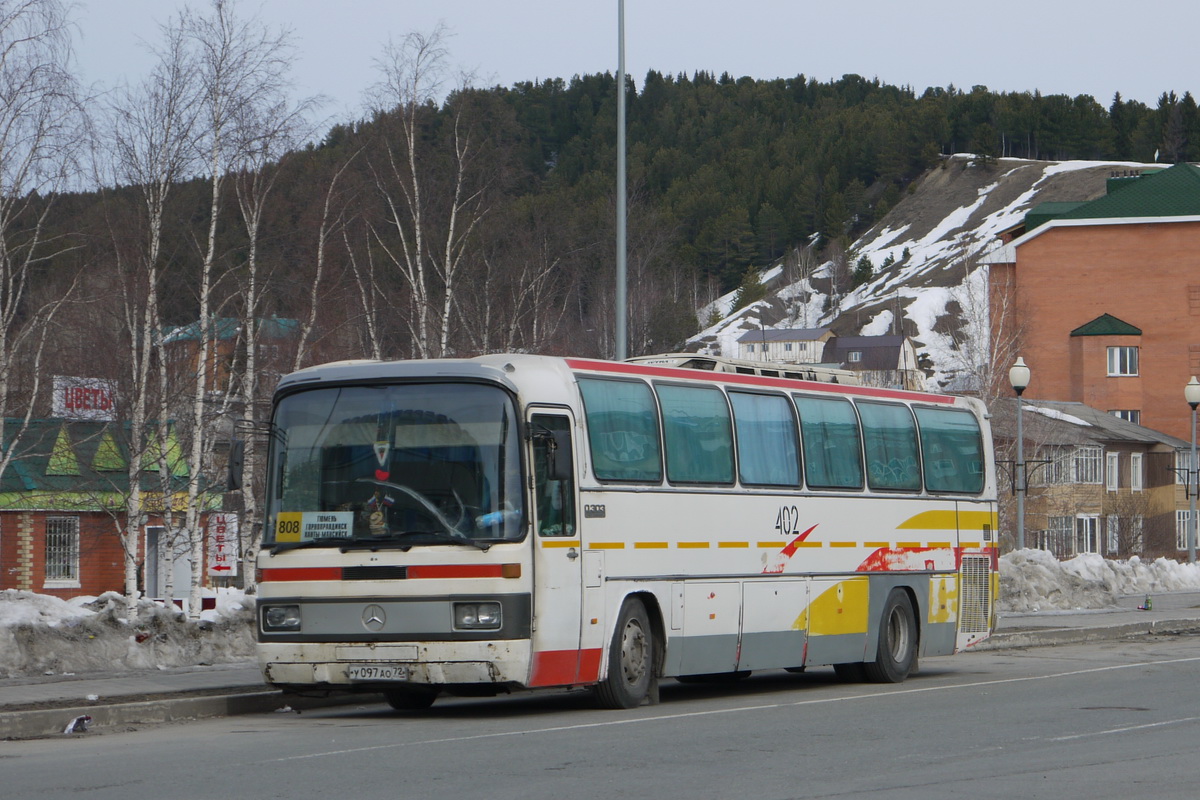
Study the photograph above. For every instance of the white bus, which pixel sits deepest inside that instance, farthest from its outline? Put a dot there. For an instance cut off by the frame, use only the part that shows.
(514, 521)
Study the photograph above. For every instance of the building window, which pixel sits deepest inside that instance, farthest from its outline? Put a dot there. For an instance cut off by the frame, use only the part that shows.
(1129, 415)
(749, 348)
(1087, 538)
(1085, 466)
(1057, 537)
(1112, 530)
(1181, 529)
(854, 356)
(1135, 471)
(787, 346)
(62, 552)
(1122, 361)
(1112, 462)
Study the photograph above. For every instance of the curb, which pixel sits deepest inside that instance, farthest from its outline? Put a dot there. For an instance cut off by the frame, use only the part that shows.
(46, 722)
(1044, 637)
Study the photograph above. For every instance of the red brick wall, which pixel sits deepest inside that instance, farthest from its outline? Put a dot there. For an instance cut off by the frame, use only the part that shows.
(1145, 274)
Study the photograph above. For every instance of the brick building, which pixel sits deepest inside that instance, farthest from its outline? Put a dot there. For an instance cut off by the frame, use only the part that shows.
(1102, 298)
(62, 501)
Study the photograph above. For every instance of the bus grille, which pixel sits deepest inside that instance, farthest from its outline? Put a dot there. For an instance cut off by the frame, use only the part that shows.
(975, 592)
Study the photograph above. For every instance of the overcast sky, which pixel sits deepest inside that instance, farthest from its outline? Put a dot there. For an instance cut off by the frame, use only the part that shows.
(1094, 47)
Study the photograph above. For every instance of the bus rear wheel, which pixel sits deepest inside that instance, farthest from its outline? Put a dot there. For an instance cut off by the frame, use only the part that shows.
(897, 651)
(630, 660)
(415, 699)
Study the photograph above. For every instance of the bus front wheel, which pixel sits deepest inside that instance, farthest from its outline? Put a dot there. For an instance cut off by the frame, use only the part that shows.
(630, 660)
(897, 651)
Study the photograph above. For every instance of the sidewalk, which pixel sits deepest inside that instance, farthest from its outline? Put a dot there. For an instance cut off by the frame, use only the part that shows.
(44, 705)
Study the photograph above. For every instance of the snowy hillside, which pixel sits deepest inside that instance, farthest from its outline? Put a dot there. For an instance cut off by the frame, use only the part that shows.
(931, 242)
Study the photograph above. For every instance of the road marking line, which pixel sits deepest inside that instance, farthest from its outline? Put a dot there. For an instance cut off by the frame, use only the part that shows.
(1123, 730)
(738, 709)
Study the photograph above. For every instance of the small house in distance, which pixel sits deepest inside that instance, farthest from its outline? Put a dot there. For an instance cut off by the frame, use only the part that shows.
(884, 361)
(784, 345)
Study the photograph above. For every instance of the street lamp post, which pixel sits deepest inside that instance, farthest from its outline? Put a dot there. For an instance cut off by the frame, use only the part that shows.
(1018, 376)
(1191, 393)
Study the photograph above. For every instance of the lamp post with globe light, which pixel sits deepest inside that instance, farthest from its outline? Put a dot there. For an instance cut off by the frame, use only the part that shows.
(1191, 393)
(1018, 376)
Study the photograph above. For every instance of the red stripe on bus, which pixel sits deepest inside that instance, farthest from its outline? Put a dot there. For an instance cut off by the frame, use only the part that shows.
(565, 667)
(621, 368)
(427, 571)
(457, 571)
(301, 574)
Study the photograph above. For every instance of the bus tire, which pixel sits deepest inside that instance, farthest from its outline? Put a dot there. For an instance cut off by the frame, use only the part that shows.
(897, 651)
(415, 699)
(630, 660)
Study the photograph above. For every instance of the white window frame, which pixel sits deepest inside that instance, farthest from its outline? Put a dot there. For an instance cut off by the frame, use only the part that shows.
(62, 553)
(1129, 415)
(1087, 533)
(1112, 467)
(1181, 528)
(1136, 472)
(1086, 466)
(1112, 532)
(1122, 361)
(854, 356)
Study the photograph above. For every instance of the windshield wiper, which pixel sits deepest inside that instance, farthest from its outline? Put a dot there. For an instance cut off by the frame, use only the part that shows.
(449, 538)
(283, 547)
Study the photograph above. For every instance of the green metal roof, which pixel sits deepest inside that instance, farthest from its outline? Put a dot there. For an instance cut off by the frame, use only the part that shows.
(1044, 212)
(1170, 192)
(1106, 325)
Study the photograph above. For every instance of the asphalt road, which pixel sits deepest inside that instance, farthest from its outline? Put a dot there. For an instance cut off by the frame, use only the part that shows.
(1110, 719)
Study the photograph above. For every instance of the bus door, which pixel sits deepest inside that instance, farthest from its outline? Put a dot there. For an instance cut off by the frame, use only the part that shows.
(557, 554)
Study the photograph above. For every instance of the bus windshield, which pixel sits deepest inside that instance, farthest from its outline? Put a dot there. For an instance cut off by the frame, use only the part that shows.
(409, 464)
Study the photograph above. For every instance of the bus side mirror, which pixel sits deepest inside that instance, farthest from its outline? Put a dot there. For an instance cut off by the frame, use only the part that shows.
(236, 466)
(559, 457)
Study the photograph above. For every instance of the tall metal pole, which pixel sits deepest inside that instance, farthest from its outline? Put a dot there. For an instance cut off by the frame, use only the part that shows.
(1192, 489)
(1020, 478)
(622, 300)
(1018, 377)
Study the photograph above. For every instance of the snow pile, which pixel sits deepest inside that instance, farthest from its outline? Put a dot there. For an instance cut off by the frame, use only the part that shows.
(1034, 580)
(40, 634)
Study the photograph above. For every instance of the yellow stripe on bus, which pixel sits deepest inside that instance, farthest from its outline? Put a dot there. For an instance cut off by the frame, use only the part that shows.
(733, 544)
(950, 520)
(560, 543)
(693, 545)
(650, 545)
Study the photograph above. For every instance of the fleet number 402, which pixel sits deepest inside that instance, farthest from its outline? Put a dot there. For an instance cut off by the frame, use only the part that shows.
(787, 521)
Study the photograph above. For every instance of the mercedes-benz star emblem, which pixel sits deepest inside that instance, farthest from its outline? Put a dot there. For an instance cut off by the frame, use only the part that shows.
(373, 618)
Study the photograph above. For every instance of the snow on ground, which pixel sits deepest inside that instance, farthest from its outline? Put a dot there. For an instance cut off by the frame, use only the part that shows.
(1035, 581)
(43, 635)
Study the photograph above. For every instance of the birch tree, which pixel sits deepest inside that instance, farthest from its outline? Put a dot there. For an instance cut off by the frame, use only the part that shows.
(151, 143)
(433, 199)
(270, 126)
(40, 134)
(241, 64)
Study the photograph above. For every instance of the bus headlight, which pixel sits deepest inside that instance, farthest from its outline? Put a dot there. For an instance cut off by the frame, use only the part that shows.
(281, 618)
(477, 616)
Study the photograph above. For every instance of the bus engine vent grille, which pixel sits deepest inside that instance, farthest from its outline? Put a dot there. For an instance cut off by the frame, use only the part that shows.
(374, 573)
(975, 583)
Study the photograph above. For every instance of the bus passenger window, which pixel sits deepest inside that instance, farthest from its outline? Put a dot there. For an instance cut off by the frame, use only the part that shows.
(698, 434)
(890, 442)
(830, 441)
(555, 499)
(622, 425)
(766, 439)
(953, 450)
